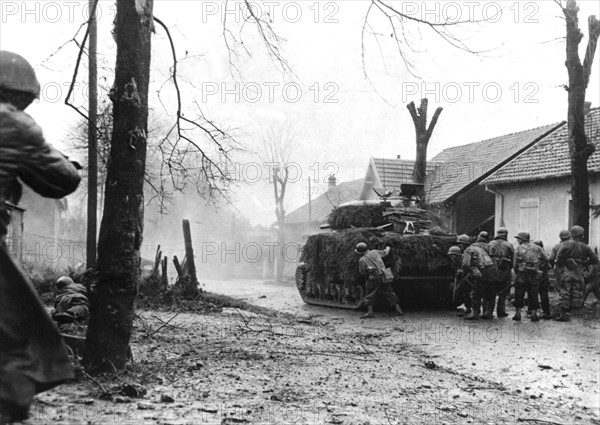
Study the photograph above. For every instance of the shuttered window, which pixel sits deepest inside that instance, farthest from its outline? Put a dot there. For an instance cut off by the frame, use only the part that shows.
(529, 218)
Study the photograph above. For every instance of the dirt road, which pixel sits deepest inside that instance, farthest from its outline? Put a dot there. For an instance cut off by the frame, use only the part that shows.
(545, 359)
(324, 366)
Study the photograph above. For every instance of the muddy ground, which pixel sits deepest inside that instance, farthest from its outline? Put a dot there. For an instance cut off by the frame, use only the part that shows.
(302, 364)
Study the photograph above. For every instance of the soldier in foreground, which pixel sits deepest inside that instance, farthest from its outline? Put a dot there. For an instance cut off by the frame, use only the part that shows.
(528, 258)
(32, 354)
(503, 253)
(572, 257)
(370, 265)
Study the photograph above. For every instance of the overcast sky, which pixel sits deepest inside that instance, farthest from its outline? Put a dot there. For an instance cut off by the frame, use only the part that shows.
(338, 116)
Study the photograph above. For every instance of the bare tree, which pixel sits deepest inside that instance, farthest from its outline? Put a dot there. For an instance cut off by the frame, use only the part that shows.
(278, 146)
(111, 319)
(580, 147)
(423, 134)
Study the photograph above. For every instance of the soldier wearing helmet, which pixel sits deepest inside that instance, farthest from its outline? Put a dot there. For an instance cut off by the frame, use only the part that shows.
(32, 352)
(544, 285)
(484, 272)
(572, 257)
(371, 266)
(528, 259)
(477, 262)
(503, 253)
(564, 235)
(462, 281)
(455, 254)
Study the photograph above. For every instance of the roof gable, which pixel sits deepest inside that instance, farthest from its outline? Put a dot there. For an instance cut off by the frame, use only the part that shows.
(459, 167)
(550, 157)
(393, 172)
(322, 205)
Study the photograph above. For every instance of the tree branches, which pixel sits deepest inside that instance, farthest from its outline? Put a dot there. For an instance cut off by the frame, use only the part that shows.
(273, 43)
(211, 175)
(399, 24)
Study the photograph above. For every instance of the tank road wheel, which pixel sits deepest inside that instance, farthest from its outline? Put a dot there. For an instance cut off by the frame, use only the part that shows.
(301, 278)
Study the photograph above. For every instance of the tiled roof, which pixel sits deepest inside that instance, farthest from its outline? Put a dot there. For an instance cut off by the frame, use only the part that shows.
(393, 172)
(462, 166)
(322, 205)
(550, 157)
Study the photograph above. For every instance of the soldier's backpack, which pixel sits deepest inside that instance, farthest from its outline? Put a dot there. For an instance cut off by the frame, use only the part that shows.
(528, 260)
(501, 254)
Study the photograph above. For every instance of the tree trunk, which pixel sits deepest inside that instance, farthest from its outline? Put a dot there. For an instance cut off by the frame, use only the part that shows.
(579, 147)
(118, 266)
(423, 134)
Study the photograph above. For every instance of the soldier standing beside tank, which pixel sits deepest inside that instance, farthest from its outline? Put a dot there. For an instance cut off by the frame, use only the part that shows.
(564, 236)
(503, 253)
(573, 256)
(485, 292)
(463, 281)
(528, 258)
(32, 354)
(477, 261)
(459, 295)
(371, 266)
(544, 285)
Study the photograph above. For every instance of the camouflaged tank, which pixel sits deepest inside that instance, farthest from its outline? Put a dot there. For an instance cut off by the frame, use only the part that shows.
(328, 274)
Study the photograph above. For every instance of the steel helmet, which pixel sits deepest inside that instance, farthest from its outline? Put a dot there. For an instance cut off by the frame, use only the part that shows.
(63, 282)
(361, 248)
(523, 236)
(483, 237)
(17, 74)
(454, 250)
(564, 235)
(502, 231)
(463, 239)
(539, 243)
(577, 231)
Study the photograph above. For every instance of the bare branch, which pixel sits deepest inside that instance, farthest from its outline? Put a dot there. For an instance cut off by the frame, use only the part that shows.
(211, 174)
(272, 42)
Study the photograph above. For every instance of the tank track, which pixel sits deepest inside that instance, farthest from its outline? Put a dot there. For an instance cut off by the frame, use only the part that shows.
(319, 301)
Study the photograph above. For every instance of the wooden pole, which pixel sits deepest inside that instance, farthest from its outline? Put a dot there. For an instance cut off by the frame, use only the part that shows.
(92, 201)
(189, 252)
(157, 259)
(165, 277)
(178, 267)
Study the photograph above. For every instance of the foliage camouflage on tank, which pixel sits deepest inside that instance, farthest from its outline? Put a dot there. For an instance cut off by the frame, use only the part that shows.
(328, 271)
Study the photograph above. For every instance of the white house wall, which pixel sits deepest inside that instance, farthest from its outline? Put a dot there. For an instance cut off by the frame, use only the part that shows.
(552, 197)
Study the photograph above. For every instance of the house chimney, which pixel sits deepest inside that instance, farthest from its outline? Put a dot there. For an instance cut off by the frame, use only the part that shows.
(332, 181)
(586, 107)
(398, 156)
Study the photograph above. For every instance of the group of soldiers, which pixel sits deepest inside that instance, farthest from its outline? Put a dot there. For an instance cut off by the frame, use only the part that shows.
(484, 274)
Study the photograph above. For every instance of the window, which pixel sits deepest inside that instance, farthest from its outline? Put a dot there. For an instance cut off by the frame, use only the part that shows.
(529, 216)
